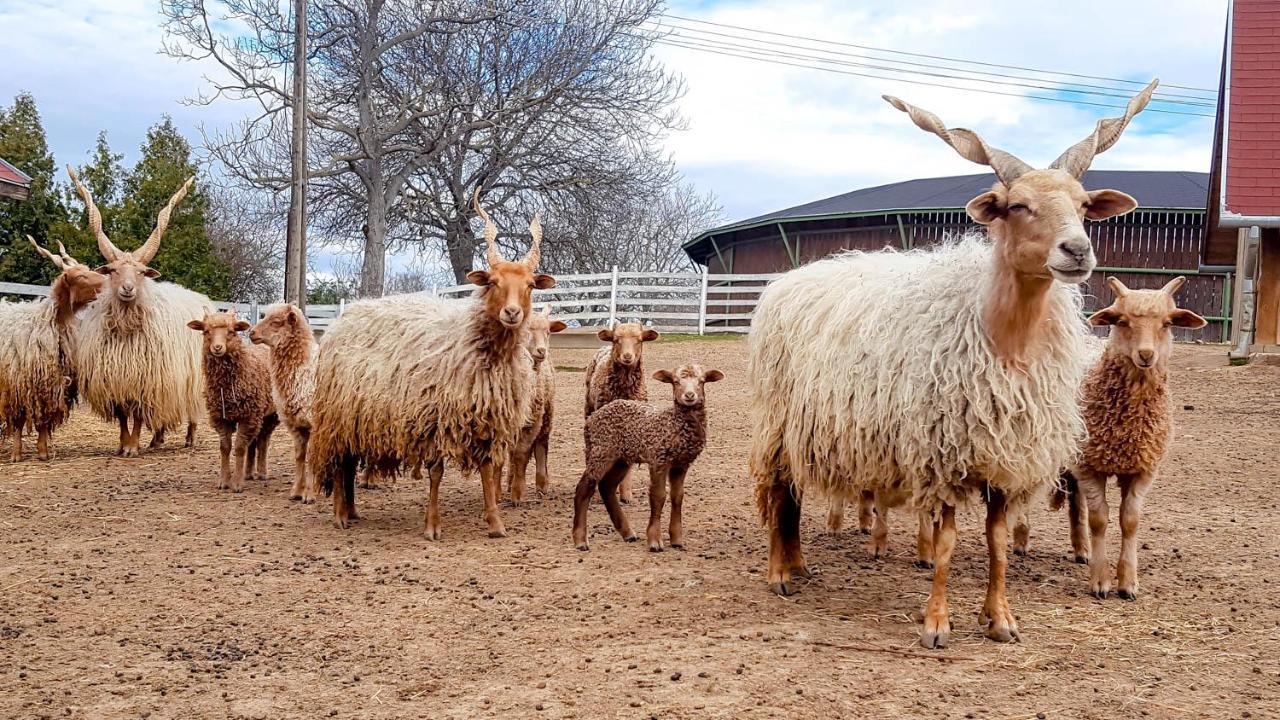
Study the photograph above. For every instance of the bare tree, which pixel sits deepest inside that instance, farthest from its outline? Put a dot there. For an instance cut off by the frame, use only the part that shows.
(244, 225)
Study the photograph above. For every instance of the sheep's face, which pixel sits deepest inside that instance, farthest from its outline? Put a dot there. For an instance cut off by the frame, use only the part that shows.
(628, 342)
(688, 383)
(220, 332)
(507, 289)
(540, 328)
(84, 285)
(1140, 323)
(279, 322)
(1039, 223)
(127, 277)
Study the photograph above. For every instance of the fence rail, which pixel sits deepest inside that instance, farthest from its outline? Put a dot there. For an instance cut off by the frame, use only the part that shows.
(701, 303)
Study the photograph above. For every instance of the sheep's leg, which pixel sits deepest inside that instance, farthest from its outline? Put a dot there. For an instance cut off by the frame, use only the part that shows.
(16, 454)
(676, 479)
(433, 498)
(368, 478)
(42, 442)
(1095, 494)
(191, 435)
(301, 490)
(1021, 534)
(540, 478)
(157, 437)
(1002, 626)
(135, 436)
(937, 615)
(924, 541)
(1078, 516)
(492, 515)
(1132, 493)
(123, 419)
(879, 544)
(581, 500)
(250, 458)
(786, 561)
(609, 488)
(657, 499)
(624, 488)
(264, 440)
(866, 509)
(224, 452)
(344, 493)
(835, 515)
(245, 435)
(517, 472)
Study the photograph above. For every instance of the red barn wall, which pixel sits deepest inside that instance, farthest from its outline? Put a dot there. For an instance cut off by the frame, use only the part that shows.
(1253, 131)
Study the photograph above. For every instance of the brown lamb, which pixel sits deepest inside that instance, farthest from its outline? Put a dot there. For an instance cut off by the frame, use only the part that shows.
(535, 437)
(1125, 401)
(284, 329)
(237, 394)
(668, 440)
(617, 373)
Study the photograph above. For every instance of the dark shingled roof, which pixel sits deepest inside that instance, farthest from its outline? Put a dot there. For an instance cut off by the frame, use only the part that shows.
(1153, 190)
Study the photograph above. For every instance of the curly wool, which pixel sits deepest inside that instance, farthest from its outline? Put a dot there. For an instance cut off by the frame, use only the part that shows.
(141, 356)
(293, 372)
(874, 371)
(412, 379)
(33, 364)
(1127, 413)
(238, 385)
(608, 381)
(637, 432)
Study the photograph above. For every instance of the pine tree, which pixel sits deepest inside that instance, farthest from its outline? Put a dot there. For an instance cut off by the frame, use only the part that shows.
(23, 144)
(103, 175)
(186, 255)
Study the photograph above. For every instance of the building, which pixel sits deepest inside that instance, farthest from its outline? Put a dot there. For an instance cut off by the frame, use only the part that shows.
(13, 182)
(1244, 194)
(1163, 238)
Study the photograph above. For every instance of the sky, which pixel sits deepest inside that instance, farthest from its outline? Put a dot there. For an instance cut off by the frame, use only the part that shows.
(760, 136)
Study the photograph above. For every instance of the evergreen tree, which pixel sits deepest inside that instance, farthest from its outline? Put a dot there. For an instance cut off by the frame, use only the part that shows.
(103, 175)
(186, 255)
(23, 144)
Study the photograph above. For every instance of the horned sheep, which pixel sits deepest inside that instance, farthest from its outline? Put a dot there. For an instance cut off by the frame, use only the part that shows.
(616, 372)
(668, 440)
(412, 379)
(37, 379)
(936, 377)
(284, 329)
(237, 393)
(134, 355)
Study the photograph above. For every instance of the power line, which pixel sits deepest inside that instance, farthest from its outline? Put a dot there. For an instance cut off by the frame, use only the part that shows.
(931, 57)
(754, 49)
(738, 54)
(757, 43)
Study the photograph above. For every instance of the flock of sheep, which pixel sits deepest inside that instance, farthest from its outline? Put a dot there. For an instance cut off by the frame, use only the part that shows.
(931, 380)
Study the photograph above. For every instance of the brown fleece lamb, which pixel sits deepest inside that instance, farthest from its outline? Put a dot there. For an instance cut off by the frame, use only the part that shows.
(237, 394)
(1125, 400)
(284, 328)
(668, 440)
(617, 373)
(536, 434)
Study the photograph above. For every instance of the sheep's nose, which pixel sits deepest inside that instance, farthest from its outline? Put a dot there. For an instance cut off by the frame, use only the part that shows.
(1146, 356)
(540, 354)
(511, 315)
(690, 396)
(628, 358)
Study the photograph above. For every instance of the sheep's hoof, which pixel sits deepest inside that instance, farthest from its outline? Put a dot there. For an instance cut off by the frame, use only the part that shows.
(923, 564)
(433, 534)
(1002, 633)
(677, 545)
(294, 497)
(43, 458)
(1127, 594)
(583, 547)
(631, 538)
(1082, 559)
(1101, 593)
(801, 571)
(782, 588)
(655, 547)
(625, 499)
(497, 533)
(935, 640)
(864, 530)
(1021, 552)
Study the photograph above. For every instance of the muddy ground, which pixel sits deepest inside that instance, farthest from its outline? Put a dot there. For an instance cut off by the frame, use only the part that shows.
(134, 588)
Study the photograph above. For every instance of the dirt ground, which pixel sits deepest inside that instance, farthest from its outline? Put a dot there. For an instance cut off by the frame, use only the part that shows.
(134, 588)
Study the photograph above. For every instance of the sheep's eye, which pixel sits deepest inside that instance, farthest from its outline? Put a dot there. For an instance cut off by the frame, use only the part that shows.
(1168, 324)
(1016, 207)
(1122, 323)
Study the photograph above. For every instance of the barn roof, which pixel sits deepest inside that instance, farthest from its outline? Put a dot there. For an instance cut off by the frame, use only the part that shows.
(13, 182)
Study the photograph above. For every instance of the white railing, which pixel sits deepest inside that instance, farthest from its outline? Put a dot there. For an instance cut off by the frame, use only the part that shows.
(695, 303)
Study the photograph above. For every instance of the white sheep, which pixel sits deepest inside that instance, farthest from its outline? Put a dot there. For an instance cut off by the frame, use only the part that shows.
(936, 377)
(135, 356)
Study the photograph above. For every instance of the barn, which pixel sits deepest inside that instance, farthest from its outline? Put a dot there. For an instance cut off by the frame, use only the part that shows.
(14, 183)
(1163, 238)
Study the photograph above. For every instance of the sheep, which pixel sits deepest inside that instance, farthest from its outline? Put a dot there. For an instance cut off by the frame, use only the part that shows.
(668, 440)
(37, 380)
(936, 377)
(1125, 400)
(412, 379)
(617, 373)
(284, 329)
(536, 434)
(237, 395)
(133, 354)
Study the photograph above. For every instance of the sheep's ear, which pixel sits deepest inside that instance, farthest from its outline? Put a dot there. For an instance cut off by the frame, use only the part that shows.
(103, 270)
(665, 376)
(557, 326)
(478, 277)
(649, 335)
(605, 335)
(293, 319)
(151, 273)
(542, 281)
(986, 208)
(713, 376)
(1108, 203)
(242, 325)
(196, 325)
(1105, 316)
(1186, 319)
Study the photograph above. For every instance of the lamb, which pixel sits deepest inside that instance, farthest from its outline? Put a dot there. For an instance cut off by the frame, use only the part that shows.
(412, 379)
(37, 380)
(1125, 399)
(937, 377)
(617, 373)
(237, 394)
(536, 434)
(133, 355)
(668, 440)
(284, 329)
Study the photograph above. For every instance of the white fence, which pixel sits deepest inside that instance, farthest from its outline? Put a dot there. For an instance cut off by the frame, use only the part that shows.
(695, 303)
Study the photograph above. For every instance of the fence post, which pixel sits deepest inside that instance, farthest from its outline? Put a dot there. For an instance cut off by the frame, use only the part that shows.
(702, 304)
(613, 298)
(342, 306)
(253, 311)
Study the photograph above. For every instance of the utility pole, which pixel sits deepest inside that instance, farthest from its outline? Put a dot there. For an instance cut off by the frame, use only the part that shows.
(295, 247)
